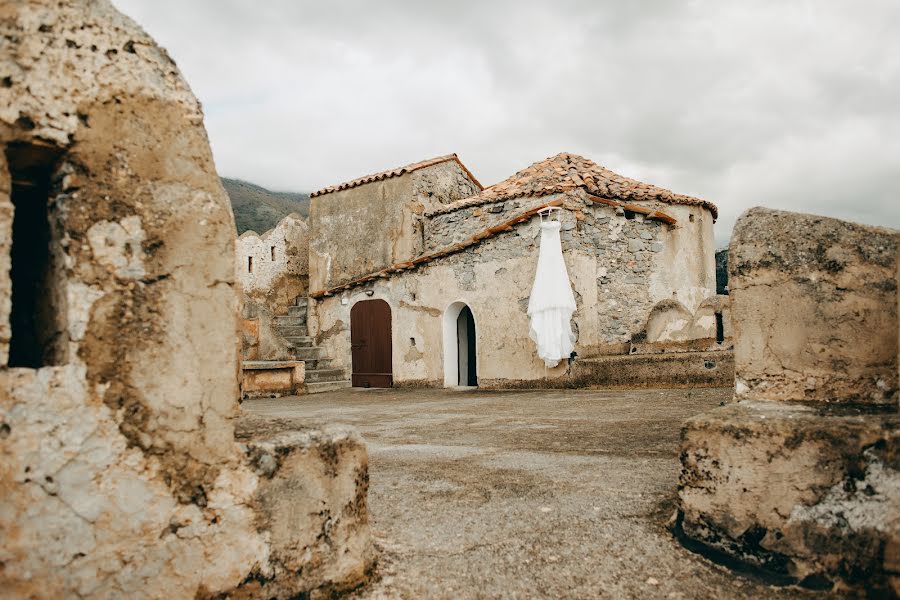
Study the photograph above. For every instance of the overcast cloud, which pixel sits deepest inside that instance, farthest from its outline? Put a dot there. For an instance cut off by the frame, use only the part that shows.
(792, 105)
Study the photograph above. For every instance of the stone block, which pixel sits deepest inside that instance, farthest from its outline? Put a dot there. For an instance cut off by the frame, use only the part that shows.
(810, 494)
(814, 304)
(635, 245)
(271, 378)
(311, 502)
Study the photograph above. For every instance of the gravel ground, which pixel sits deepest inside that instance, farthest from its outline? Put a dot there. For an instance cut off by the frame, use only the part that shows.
(526, 494)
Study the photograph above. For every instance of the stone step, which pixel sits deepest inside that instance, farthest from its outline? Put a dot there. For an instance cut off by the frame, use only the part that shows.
(287, 321)
(323, 375)
(314, 364)
(301, 341)
(287, 331)
(297, 311)
(310, 353)
(327, 386)
(302, 301)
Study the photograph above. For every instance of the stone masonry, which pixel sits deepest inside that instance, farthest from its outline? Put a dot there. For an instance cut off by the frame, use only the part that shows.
(120, 472)
(801, 476)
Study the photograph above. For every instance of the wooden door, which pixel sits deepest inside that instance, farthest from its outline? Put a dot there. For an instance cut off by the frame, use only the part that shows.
(370, 344)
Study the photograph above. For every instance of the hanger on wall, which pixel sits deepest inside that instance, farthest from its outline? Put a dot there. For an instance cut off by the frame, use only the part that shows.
(548, 213)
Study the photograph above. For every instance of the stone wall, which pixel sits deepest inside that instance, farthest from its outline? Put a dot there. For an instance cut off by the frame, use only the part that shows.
(119, 470)
(814, 305)
(363, 229)
(617, 271)
(801, 476)
(277, 277)
(279, 273)
(442, 184)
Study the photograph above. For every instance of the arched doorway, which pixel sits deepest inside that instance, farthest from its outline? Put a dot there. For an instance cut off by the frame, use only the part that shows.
(460, 346)
(370, 344)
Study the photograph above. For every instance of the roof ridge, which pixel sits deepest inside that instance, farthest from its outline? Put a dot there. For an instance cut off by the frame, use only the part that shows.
(566, 171)
(396, 172)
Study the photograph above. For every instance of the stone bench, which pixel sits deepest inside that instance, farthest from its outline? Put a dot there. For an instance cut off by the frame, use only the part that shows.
(273, 378)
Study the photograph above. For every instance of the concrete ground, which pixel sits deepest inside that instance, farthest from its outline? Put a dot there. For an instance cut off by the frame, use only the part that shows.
(526, 494)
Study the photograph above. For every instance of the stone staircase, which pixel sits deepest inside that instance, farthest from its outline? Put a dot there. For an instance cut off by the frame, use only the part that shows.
(320, 375)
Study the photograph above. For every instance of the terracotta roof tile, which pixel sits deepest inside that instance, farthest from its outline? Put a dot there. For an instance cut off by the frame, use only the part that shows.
(565, 172)
(395, 173)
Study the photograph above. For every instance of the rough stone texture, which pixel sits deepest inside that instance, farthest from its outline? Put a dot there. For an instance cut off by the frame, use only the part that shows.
(119, 472)
(812, 494)
(312, 501)
(280, 265)
(669, 369)
(615, 290)
(814, 303)
(809, 492)
(366, 228)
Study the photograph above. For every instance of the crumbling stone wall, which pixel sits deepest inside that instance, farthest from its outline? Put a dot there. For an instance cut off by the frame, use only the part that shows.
(442, 184)
(279, 272)
(801, 476)
(119, 470)
(828, 271)
(362, 229)
(272, 271)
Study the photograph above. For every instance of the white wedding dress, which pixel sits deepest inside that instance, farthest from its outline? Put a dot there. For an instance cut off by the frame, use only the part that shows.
(552, 302)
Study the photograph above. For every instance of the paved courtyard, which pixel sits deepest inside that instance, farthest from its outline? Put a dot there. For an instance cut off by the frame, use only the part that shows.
(526, 494)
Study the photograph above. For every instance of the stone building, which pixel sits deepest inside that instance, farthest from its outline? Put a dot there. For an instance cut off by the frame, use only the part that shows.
(124, 469)
(272, 271)
(801, 475)
(375, 221)
(447, 305)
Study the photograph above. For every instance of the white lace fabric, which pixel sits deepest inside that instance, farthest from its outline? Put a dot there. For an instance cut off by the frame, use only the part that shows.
(552, 302)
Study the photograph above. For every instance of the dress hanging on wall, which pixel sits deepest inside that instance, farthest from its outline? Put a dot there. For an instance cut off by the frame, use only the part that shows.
(552, 302)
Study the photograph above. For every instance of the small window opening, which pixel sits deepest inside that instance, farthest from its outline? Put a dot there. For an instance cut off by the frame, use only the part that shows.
(691, 218)
(630, 215)
(36, 317)
(720, 328)
(273, 252)
(249, 264)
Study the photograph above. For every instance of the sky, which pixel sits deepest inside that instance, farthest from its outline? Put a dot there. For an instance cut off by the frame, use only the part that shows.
(793, 105)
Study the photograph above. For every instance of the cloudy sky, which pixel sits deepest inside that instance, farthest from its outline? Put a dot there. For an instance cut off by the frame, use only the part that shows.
(792, 105)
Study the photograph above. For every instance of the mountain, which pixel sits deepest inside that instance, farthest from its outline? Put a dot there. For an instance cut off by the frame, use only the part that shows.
(260, 209)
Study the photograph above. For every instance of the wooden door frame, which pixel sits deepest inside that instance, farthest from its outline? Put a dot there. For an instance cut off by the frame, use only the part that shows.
(363, 375)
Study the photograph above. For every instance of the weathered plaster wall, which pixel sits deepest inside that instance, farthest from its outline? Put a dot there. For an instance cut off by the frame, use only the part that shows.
(119, 471)
(671, 321)
(366, 228)
(612, 266)
(814, 303)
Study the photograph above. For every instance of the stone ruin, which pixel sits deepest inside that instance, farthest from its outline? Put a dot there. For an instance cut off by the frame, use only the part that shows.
(800, 477)
(126, 470)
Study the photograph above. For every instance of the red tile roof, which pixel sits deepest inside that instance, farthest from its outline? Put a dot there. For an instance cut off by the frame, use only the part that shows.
(395, 173)
(565, 172)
